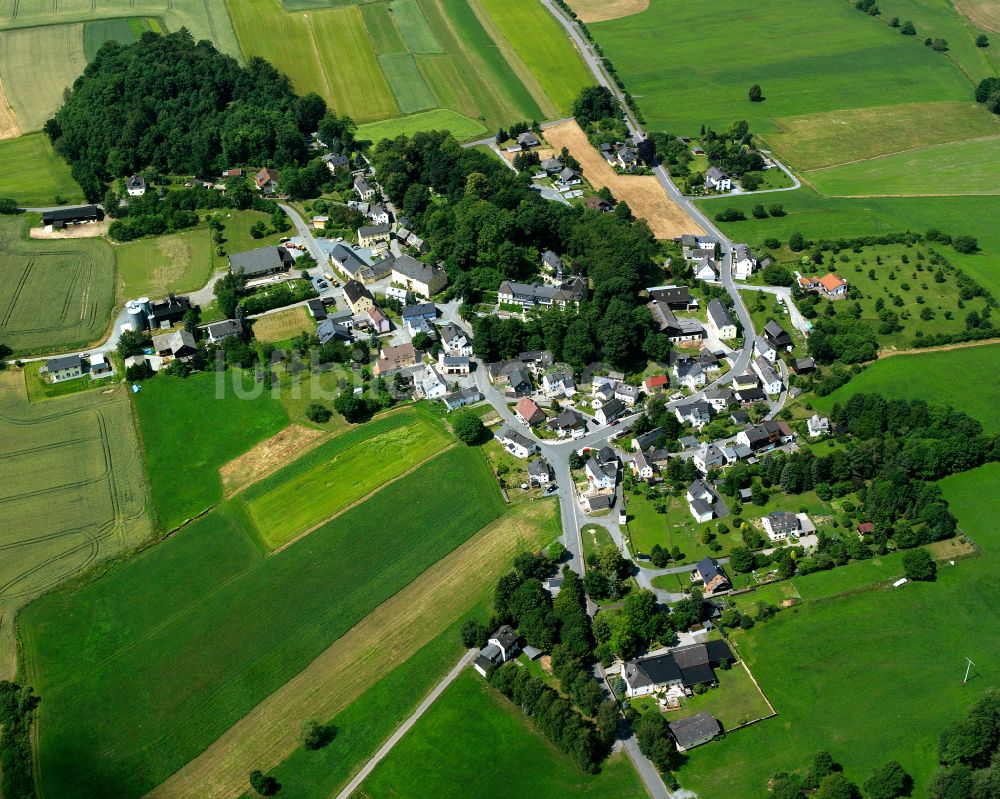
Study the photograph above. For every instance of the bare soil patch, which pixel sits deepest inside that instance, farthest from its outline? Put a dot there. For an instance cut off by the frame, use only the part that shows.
(91, 230)
(268, 456)
(643, 193)
(602, 10)
(9, 127)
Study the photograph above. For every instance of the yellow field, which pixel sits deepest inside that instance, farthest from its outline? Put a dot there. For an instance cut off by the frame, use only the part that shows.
(643, 193)
(281, 325)
(9, 126)
(355, 662)
(602, 10)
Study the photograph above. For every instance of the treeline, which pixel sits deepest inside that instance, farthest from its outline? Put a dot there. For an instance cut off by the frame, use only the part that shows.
(16, 705)
(180, 107)
(487, 225)
(967, 751)
(988, 93)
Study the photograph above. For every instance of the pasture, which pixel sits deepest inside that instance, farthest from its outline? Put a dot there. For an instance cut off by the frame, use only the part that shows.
(474, 736)
(808, 57)
(962, 378)
(962, 167)
(54, 295)
(129, 727)
(74, 492)
(413, 620)
(154, 266)
(643, 193)
(228, 411)
(461, 127)
(283, 325)
(33, 174)
(338, 473)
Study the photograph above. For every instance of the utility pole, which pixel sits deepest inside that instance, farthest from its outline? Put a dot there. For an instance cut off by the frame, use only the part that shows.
(968, 668)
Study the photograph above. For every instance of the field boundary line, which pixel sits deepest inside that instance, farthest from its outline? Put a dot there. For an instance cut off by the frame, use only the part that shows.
(357, 502)
(958, 345)
(900, 152)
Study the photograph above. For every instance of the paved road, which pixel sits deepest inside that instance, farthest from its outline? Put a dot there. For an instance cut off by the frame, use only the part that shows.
(403, 728)
(796, 183)
(785, 293)
(305, 232)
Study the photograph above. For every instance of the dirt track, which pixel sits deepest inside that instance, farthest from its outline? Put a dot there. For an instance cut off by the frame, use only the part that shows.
(643, 193)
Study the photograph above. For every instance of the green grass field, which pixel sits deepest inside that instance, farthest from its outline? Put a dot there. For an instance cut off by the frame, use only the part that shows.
(962, 378)
(941, 169)
(406, 82)
(123, 29)
(222, 654)
(475, 737)
(735, 701)
(544, 46)
(462, 128)
(382, 28)
(413, 26)
(237, 237)
(33, 174)
(74, 492)
(338, 473)
(152, 267)
(54, 295)
(184, 468)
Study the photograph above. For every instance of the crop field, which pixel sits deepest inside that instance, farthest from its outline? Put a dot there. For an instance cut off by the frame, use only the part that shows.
(413, 26)
(184, 468)
(54, 295)
(939, 170)
(74, 492)
(854, 134)
(336, 474)
(152, 267)
(961, 378)
(461, 127)
(406, 82)
(283, 325)
(33, 174)
(222, 655)
(808, 57)
(474, 736)
(123, 29)
(433, 603)
(982, 12)
(643, 193)
(602, 10)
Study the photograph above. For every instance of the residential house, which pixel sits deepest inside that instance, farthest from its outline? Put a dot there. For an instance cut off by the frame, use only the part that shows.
(764, 348)
(594, 503)
(551, 165)
(627, 158)
(316, 308)
(335, 161)
(344, 257)
(529, 295)
(219, 331)
(628, 394)
(260, 262)
(501, 647)
(643, 441)
(539, 472)
(745, 381)
(364, 189)
(462, 397)
(453, 365)
(267, 181)
(743, 262)
(609, 411)
(676, 298)
(64, 367)
(708, 456)
(719, 398)
(865, 528)
(694, 730)
(818, 426)
(568, 423)
(379, 321)
(711, 575)
(655, 383)
(420, 278)
(567, 178)
(330, 329)
(601, 477)
(718, 180)
(511, 375)
(641, 466)
(180, 345)
(720, 321)
(676, 671)
(536, 360)
(516, 444)
(454, 340)
(135, 185)
(167, 313)
(777, 336)
(359, 299)
(373, 235)
(765, 435)
(770, 380)
(431, 384)
(804, 366)
(380, 214)
(831, 285)
(677, 330)
(100, 366)
(603, 392)
(706, 270)
(690, 375)
(780, 524)
(595, 203)
(552, 262)
(558, 383)
(392, 359)
(697, 414)
(527, 140)
(417, 318)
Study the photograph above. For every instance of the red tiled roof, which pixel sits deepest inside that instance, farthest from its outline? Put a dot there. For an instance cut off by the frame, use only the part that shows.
(655, 380)
(831, 282)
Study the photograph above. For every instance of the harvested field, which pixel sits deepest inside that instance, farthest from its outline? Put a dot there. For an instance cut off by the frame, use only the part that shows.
(282, 325)
(9, 127)
(602, 10)
(362, 656)
(268, 456)
(644, 194)
(984, 13)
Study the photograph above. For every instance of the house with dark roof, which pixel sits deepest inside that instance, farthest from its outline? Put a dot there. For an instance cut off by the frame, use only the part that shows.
(335, 161)
(713, 577)
(780, 524)
(462, 397)
(777, 336)
(539, 472)
(330, 330)
(135, 185)
(227, 328)
(373, 235)
(64, 367)
(317, 309)
(718, 180)
(694, 730)
(418, 277)
(609, 411)
(501, 647)
(260, 261)
(59, 218)
(358, 297)
(516, 444)
(569, 423)
(720, 321)
(677, 298)
(167, 313)
(529, 295)
(680, 669)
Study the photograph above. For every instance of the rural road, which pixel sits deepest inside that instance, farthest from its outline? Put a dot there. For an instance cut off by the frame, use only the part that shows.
(403, 728)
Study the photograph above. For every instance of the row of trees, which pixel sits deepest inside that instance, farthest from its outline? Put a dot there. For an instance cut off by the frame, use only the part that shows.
(967, 751)
(17, 703)
(825, 779)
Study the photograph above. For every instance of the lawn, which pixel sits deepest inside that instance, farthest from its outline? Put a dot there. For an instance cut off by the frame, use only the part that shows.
(461, 127)
(176, 665)
(40, 389)
(961, 378)
(544, 47)
(476, 737)
(237, 236)
(824, 665)
(283, 325)
(33, 174)
(153, 267)
(939, 169)
(595, 538)
(74, 492)
(337, 474)
(184, 468)
(677, 528)
(809, 57)
(54, 295)
(735, 701)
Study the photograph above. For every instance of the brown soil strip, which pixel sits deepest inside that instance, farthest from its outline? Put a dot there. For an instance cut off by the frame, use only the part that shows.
(367, 652)
(602, 10)
(268, 456)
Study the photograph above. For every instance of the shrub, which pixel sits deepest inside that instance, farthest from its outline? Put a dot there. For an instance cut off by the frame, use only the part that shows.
(730, 215)
(317, 412)
(316, 735)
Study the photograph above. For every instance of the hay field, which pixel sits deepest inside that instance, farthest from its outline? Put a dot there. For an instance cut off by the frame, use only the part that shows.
(406, 82)
(54, 295)
(33, 174)
(413, 26)
(643, 193)
(588, 11)
(368, 651)
(153, 267)
(461, 127)
(176, 666)
(283, 325)
(74, 492)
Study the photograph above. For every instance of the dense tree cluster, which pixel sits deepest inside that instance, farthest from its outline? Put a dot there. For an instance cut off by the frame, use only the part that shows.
(607, 571)
(732, 150)
(487, 225)
(16, 705)
(180, 107)
(968, 754)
